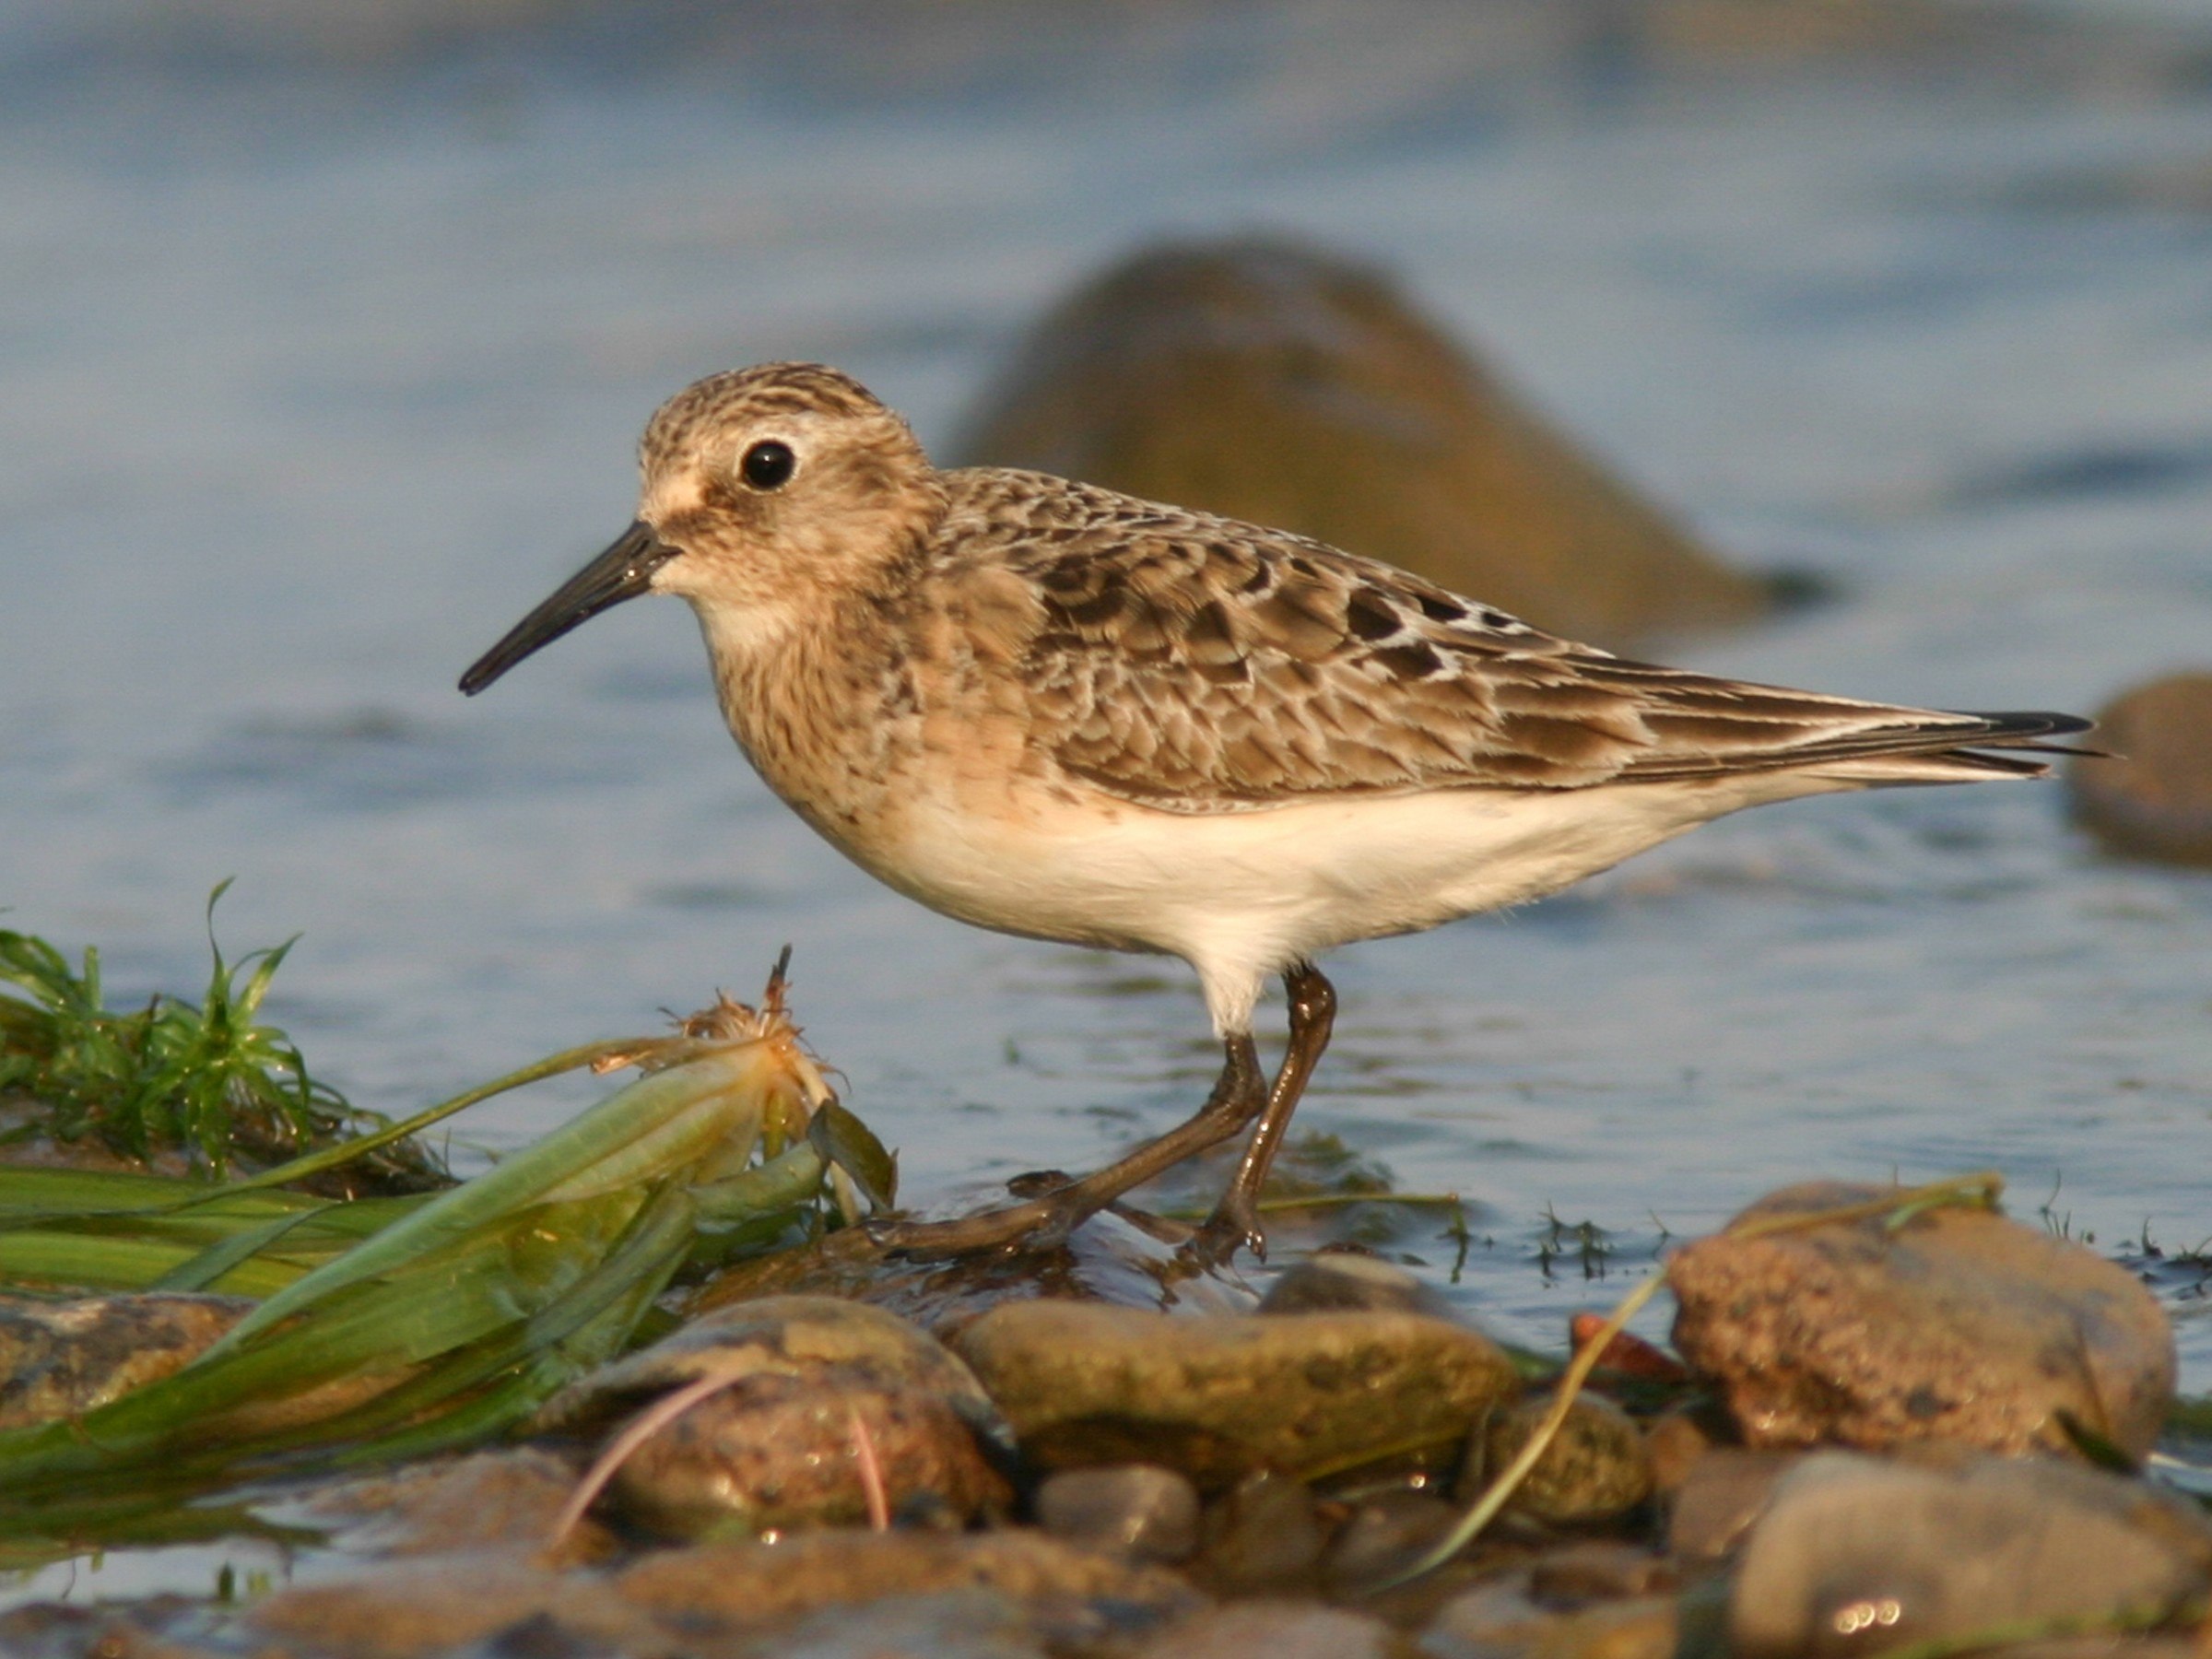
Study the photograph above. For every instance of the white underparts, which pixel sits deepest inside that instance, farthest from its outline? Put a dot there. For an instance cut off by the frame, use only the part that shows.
(1241, 896)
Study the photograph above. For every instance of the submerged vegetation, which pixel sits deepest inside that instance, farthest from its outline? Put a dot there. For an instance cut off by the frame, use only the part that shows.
(386, 1325)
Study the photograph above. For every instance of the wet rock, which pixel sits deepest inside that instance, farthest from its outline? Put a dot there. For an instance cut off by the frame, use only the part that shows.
(1502, 1620)
(953, 1624)
(1598, 1571)
(1676, 1439)
(2154, 798)
(438, 1604)
(1859, 1554)
(824, 1593)
(1107, 1260)
(1383, 1536)
(748, 1583)
(1288, 386)
(1279, 1630)
(815, 1390)
(1959, 1325)
(1141, 1510)
(1724, 1492)
(145, 1629)
(1499, 1613)
(62, 1359)
(1595, 1468)
(1262, 1534)
(484, 1501)
(2103, 1647)
(1217, 1397)
(1338, 1281)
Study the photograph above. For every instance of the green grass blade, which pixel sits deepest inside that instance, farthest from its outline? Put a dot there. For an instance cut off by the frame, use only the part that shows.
(777, 1184)
(674, 1110)
(219, 1259)
(330, 1158)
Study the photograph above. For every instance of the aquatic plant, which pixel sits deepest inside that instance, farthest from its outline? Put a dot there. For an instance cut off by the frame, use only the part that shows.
(394, 1327)
(206, 1078)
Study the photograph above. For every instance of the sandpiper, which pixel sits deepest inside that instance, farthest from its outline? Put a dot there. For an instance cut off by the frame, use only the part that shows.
(1059, 712)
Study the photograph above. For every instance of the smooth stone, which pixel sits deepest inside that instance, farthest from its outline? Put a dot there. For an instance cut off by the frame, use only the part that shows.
(1495, 1615)
(814, 1386)
(1338, 1281)
(1722, 1495)
(2104, 1647)
(1107, 1259)
(1385, 1534)
(1500, 1622)
(485, 1500)
(1277, 1630)
(1599, 1570)
(1215, 1397)
(1596, 1467)
(2153, 797)
(1859, 1554)
(1294, 388)
(1141, 1510)
(1263, 1534)
(831, 1588)
(1959, 1325)
(64, 1359)
(951, 1624)
(1679, 1437)
(169, 1626)
(743, 1583)
(439, 1605)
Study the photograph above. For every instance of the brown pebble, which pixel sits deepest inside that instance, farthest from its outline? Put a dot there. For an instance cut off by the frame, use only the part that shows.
(1595, 1467)
(1219, 1396)
(1722, 1494)
(1599, 1570)
(1383, 1536)
(823, 1406)
(1274, 1629)
(64, 1359)
(1677, 1438)
(1954, 1325)
(1337, 1281)
(1499, 1619)
(1856, 1555)
(509, 1496)
(1144, 1511)
(1261, 1533)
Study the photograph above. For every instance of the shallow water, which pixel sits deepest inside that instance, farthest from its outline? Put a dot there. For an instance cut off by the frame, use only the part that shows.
(318, 366)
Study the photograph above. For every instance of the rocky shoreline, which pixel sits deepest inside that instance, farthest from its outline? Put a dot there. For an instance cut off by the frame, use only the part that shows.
(1898, 1423)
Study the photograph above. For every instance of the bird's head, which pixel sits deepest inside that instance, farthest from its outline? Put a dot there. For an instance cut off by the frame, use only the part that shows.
(765, 491)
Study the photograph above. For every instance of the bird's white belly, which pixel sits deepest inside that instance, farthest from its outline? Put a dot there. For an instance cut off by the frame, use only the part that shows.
(1241, 895)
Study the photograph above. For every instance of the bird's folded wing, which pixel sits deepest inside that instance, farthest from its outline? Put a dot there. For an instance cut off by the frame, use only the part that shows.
(1199, 665)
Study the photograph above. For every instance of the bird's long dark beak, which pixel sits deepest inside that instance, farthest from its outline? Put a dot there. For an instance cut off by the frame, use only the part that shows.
(623, 571)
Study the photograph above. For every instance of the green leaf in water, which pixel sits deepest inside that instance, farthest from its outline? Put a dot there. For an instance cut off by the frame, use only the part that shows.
(848, 1145)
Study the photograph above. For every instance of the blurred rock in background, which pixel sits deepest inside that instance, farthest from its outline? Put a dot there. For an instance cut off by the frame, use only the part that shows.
(1294, 388)
(2153, 796)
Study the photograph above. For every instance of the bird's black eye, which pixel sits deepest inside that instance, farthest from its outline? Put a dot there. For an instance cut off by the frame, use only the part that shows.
(766, 465)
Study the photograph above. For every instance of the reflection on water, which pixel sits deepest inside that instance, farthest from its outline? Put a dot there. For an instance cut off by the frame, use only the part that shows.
(316, 369)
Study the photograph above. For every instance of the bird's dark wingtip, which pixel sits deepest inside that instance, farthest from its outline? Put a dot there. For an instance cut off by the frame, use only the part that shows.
(2028, 728)
(2030, 722)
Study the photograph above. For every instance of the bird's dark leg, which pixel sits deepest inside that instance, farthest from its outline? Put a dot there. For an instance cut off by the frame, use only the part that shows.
(1238, 1097)
(1236, 1219)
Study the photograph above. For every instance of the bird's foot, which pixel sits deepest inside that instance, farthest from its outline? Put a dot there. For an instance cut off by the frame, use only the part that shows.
(1053, 1207)
(1233, 1225)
